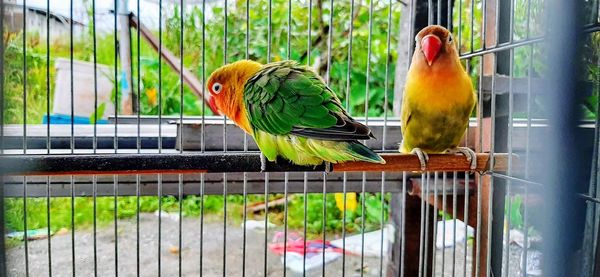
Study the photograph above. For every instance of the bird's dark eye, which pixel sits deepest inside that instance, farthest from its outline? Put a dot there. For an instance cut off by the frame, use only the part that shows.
(450, 38)
(216, 88)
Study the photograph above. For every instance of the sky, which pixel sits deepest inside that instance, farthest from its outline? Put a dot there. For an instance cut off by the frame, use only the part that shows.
(104, 17)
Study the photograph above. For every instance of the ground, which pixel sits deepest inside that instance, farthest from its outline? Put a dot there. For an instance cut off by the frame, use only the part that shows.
(212, 253)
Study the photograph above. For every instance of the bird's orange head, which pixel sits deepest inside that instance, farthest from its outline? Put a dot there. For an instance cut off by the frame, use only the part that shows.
(226, 88)
(435, 43)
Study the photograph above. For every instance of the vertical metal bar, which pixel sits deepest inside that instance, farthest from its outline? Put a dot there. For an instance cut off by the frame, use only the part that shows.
(449, 15)
(202, 129)
(387, 77)
(367, 90)
(444, 176)
(285, 222)
(224, 224)
(362, 224)
(266, 222)
(349, 109)
(203, 135)
(73, 226)
(245, 181)
(137, 222)
(385, 123)
(304, 224)
(269, 19)
(94, 195)
(324, 229)
(382, 225)
(24, 77)
(328, 81)
(115, 217)
(269, 26)
(181, 14)
(117, 84)
(201, 222)
(224, 63)
(466, 219)
(472, 25)
(138, 94)
(329, 43)
(305, 190)
(403, 225)
(48, 146)
(344, 191)
(95, 138)
(160, 139)
(25, 229)
(454, 207)
(72, 88)
(422, 229)
(349, 70)
(286, 177)
(527, 149)
(434, 220)
(430, 12)
(159, 250)
(439, 18)
(491, 189)
(180, 220)
(480, 141)
(225, 14)
(244, 218)
(289, 31)
(179, 177)
(138, 146)
(48, 228)
(203, 140)
(459, 42)
(426, 234)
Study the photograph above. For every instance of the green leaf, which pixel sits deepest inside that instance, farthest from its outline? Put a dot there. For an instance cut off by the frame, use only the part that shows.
(99, 112)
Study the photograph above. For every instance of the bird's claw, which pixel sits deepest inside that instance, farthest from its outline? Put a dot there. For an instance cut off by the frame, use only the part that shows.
(423, 157)
(469, 154)
(263, 163)
(327, 167)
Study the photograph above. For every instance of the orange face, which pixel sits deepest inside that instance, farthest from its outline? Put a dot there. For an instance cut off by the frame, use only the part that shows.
(215, 88)
(226, 90)
(433, 42)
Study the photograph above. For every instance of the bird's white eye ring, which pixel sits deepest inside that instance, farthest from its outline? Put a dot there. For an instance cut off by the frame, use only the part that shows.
(450, 38)
(217, 87)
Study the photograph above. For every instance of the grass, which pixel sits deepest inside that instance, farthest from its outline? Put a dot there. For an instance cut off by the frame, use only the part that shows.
(83, 216)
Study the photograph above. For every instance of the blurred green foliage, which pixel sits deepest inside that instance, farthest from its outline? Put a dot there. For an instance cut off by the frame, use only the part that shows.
(214, 51)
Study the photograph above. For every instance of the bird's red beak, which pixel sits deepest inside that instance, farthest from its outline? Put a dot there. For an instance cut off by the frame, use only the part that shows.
(430, 45)
(212, 104)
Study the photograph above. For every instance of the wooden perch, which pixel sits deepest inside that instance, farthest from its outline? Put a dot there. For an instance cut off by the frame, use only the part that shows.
(89, 164)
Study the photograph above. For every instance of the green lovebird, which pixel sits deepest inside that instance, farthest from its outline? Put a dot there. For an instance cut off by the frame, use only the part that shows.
(290, 112)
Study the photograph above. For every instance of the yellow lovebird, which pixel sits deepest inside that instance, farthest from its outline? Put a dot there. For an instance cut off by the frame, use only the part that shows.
(438, 98)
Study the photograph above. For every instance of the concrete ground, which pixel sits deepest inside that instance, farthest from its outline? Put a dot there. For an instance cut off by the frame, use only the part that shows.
(190, 253)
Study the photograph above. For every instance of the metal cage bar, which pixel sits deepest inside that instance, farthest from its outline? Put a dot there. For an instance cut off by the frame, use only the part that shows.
(140, 156)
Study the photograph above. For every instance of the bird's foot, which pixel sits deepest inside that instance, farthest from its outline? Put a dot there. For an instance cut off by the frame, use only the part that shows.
(468, 153)
(327, 167)
(263, 163)
(423, 157)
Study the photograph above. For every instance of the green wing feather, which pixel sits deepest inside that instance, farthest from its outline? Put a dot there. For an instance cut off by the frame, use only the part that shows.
(285, 98)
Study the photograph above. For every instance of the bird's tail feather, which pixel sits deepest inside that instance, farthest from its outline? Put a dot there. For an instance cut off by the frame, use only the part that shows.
(364, 153)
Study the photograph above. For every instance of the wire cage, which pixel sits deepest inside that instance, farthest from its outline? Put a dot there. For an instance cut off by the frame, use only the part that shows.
(113, 164)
